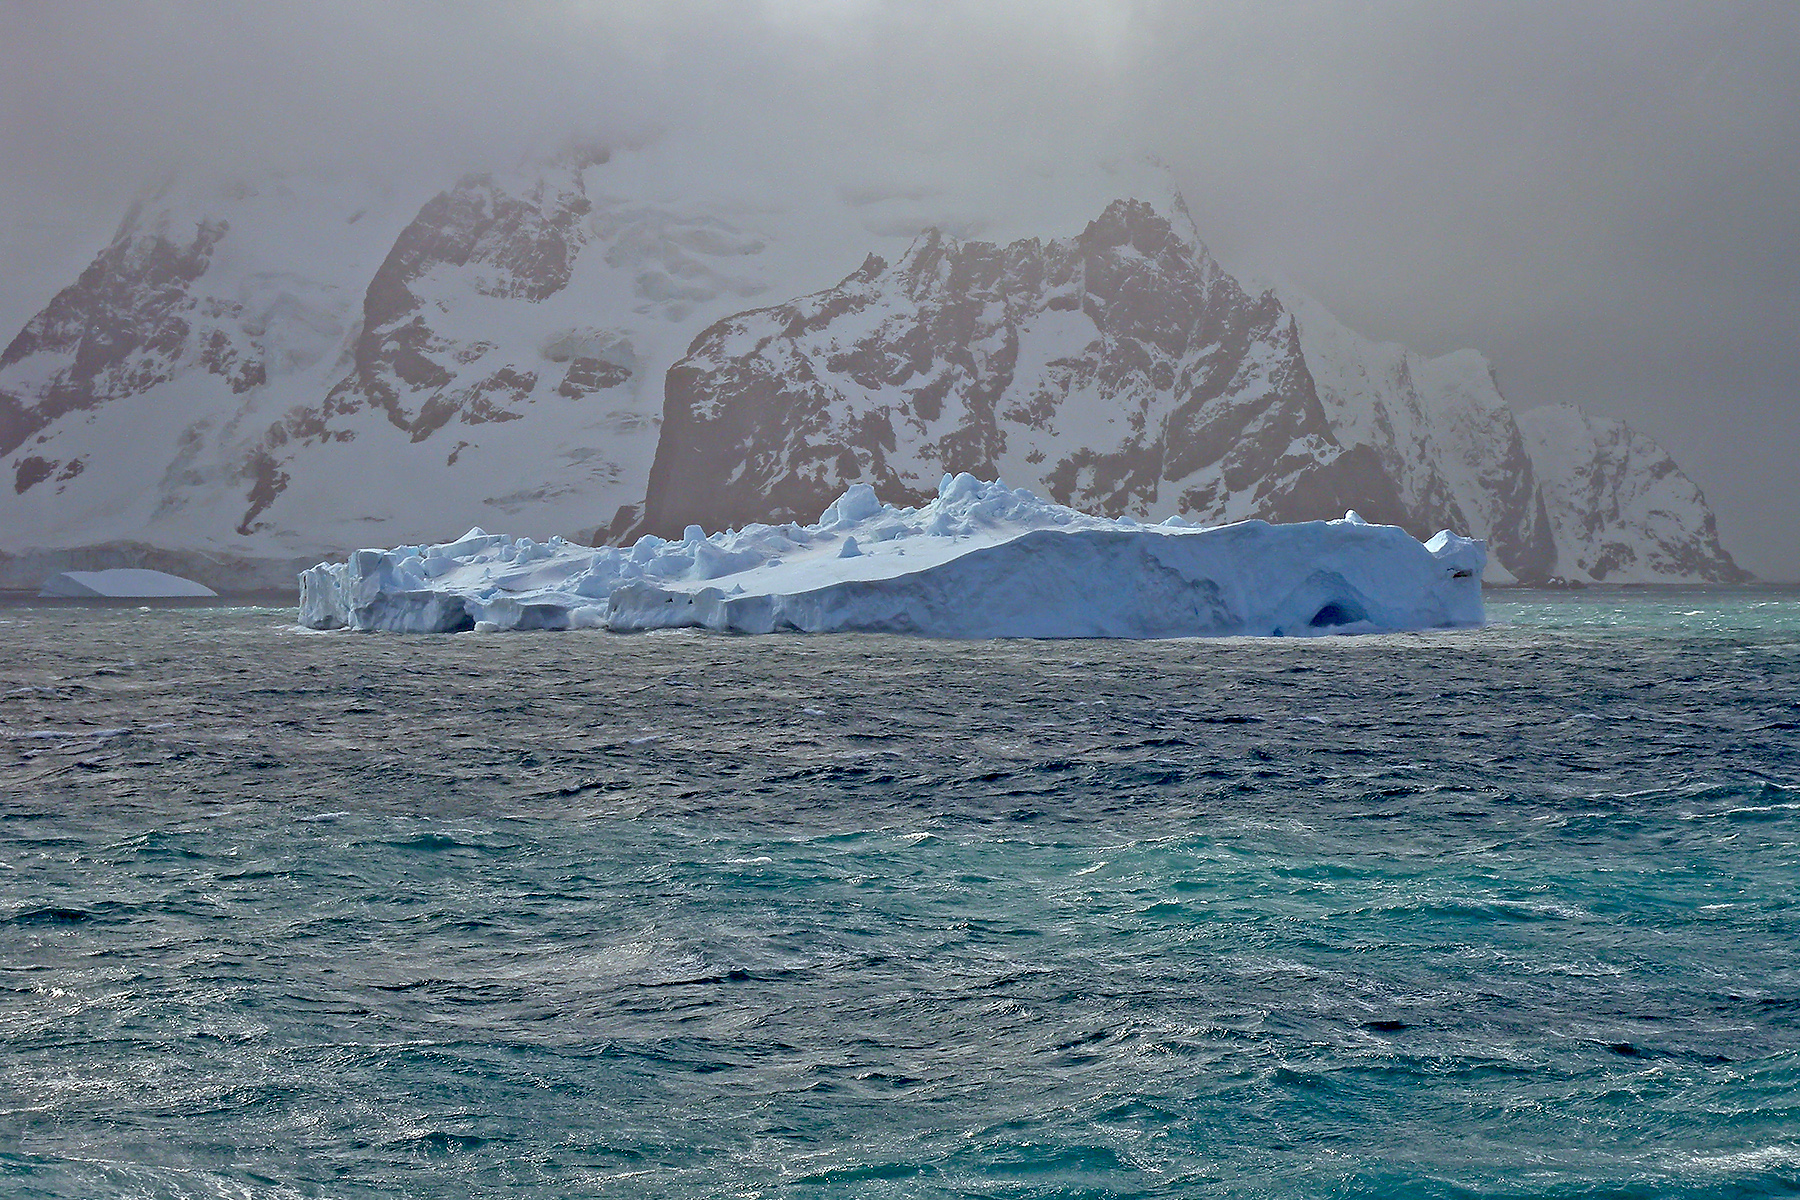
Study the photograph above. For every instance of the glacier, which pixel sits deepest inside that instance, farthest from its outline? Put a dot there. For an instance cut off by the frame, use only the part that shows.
(980, 560)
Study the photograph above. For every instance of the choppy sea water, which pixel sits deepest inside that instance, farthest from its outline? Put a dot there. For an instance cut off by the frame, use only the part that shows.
(1498, 913)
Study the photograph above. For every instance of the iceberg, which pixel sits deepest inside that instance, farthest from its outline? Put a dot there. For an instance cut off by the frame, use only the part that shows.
(122, 583)
(980, 561)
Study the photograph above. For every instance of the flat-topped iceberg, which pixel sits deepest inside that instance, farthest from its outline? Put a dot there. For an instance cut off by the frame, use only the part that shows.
(122, 583)
(981, 560)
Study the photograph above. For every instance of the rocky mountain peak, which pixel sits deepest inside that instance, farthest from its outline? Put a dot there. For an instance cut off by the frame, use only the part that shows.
(1619, 505)
(1121, 371)
(1135, 224)
(1114, 371)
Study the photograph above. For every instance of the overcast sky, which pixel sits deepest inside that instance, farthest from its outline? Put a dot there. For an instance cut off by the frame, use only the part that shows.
(1603, 198)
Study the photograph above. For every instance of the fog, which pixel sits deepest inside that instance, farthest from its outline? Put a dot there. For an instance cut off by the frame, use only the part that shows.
(1603, 198)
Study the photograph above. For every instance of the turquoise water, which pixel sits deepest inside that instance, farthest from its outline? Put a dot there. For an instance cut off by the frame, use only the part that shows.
(1758, 613)
(1498, 913)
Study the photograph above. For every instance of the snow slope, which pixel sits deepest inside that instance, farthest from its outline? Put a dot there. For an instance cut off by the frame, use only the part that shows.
(1620, 508)
(978, 561)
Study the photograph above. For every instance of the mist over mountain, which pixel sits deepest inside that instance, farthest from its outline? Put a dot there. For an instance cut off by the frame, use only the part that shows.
(1599, 199)
(266, 372)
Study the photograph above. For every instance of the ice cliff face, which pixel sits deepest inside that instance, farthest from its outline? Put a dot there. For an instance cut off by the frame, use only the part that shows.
(261, 373)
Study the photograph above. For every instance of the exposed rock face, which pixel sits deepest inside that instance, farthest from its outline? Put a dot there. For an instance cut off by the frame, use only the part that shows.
(1620, 507)
(1121, 372)
(476, 240)
(115, 333)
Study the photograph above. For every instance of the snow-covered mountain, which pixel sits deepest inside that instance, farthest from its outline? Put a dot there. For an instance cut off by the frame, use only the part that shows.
(1556, 492)
(1119, 372)
(123, 403)
(264, 372)
(1442, 434)
(1619, 506)
(1123, 372)
(254, 376)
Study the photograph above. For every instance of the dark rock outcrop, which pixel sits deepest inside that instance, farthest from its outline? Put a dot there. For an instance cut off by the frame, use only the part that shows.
(1120, 372)
(116, 332)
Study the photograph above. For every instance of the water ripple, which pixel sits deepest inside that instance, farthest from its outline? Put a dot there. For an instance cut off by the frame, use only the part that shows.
(1497, 914)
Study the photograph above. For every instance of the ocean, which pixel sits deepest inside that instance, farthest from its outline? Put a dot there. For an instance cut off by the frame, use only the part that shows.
(1508, 912)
